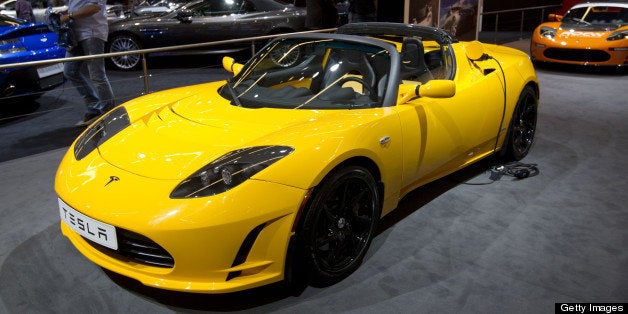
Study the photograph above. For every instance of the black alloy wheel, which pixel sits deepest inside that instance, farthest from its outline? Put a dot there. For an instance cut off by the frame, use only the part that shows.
(339, 225)
(522, 125)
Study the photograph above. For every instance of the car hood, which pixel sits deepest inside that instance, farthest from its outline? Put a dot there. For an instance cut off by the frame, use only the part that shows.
(7, 32)
(180, 137)
(579, 33)
(36, 39)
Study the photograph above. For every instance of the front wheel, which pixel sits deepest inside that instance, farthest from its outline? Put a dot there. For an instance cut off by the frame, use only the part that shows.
(522, 129)
(339, 225)
(124, 43)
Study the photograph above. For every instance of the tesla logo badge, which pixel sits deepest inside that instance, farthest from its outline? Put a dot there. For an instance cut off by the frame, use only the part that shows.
(111, 179)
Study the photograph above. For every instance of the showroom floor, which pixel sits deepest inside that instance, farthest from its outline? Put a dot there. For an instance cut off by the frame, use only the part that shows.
(455, 246)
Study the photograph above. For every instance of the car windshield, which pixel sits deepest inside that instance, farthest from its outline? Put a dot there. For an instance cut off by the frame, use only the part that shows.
(312, 73)
(596, 15)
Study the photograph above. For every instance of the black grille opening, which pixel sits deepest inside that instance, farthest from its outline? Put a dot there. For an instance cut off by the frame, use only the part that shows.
(138, 248)
(584, 55)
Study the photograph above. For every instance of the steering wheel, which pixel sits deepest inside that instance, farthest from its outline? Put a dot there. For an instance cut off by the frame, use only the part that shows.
(366, 86)
(284, 55)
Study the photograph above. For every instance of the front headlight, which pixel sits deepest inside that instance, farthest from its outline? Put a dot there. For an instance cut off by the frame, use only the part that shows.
(229, 171)
(547, 32)
(112, 123)
(618, 35)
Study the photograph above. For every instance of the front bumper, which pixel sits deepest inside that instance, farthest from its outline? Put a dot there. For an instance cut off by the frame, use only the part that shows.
(30, 80)
(548, 50)
(204, 236)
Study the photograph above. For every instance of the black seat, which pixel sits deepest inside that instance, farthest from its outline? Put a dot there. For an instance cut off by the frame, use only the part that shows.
(340, 63)
(413, 66)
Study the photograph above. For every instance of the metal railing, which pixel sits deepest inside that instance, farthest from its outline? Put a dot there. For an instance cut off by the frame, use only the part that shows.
(533, 13)
(145, 52)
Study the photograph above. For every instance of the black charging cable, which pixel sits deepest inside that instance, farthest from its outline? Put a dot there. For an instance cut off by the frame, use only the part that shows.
(516, 169)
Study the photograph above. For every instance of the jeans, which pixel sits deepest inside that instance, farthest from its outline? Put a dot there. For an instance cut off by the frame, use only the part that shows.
(96, 92)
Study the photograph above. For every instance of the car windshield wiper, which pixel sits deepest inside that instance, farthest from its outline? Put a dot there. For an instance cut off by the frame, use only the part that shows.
(233, 94)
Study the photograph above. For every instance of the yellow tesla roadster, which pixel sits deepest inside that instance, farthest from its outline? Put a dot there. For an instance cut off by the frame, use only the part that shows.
(286, 168)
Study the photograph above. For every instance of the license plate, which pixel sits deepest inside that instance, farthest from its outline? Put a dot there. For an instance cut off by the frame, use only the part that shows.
(50, 70)
(92, 229)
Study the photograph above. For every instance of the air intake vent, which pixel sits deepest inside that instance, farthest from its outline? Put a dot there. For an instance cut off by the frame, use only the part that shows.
(138, 248)
(584, 55)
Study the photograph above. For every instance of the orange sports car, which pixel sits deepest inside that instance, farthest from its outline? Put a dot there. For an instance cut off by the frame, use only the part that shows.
(590, 33)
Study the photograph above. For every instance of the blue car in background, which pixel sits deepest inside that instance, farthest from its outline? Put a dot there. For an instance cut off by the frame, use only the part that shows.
(22, 41)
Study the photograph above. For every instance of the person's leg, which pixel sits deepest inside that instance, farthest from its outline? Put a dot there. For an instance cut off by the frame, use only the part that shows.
(100, 82)
(72, 71)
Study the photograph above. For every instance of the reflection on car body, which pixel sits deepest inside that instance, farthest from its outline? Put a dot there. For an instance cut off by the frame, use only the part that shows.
(157, 6)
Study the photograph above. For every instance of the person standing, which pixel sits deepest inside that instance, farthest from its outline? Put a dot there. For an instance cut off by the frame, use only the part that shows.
(88, 20)
(24, 10)
(362, 11)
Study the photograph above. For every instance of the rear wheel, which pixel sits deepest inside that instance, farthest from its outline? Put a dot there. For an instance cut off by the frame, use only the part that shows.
(123, 43)
(520, 136)
(339, 225)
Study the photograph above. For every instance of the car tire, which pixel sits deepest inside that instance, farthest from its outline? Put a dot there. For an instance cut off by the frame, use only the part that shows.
(339, 224)
(123, 43)
(522, 129)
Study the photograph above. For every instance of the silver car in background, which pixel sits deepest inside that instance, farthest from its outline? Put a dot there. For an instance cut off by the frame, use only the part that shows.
(202, 21)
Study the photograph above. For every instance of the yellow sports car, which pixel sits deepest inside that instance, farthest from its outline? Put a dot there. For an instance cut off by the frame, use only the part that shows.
(283, 171)
(591, 33)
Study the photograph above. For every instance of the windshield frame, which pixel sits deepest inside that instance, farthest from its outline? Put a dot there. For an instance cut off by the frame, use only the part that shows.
(391, 87)
(572, 18)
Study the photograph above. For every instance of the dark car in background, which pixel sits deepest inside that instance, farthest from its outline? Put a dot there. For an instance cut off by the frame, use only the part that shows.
(22, 41)
(202, 21)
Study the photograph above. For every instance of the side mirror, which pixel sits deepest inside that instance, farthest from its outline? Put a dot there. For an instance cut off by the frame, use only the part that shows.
(438, 89)
(474, 50)
(554, 18)
(185, 16)
(432, 89)
(230, 65)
